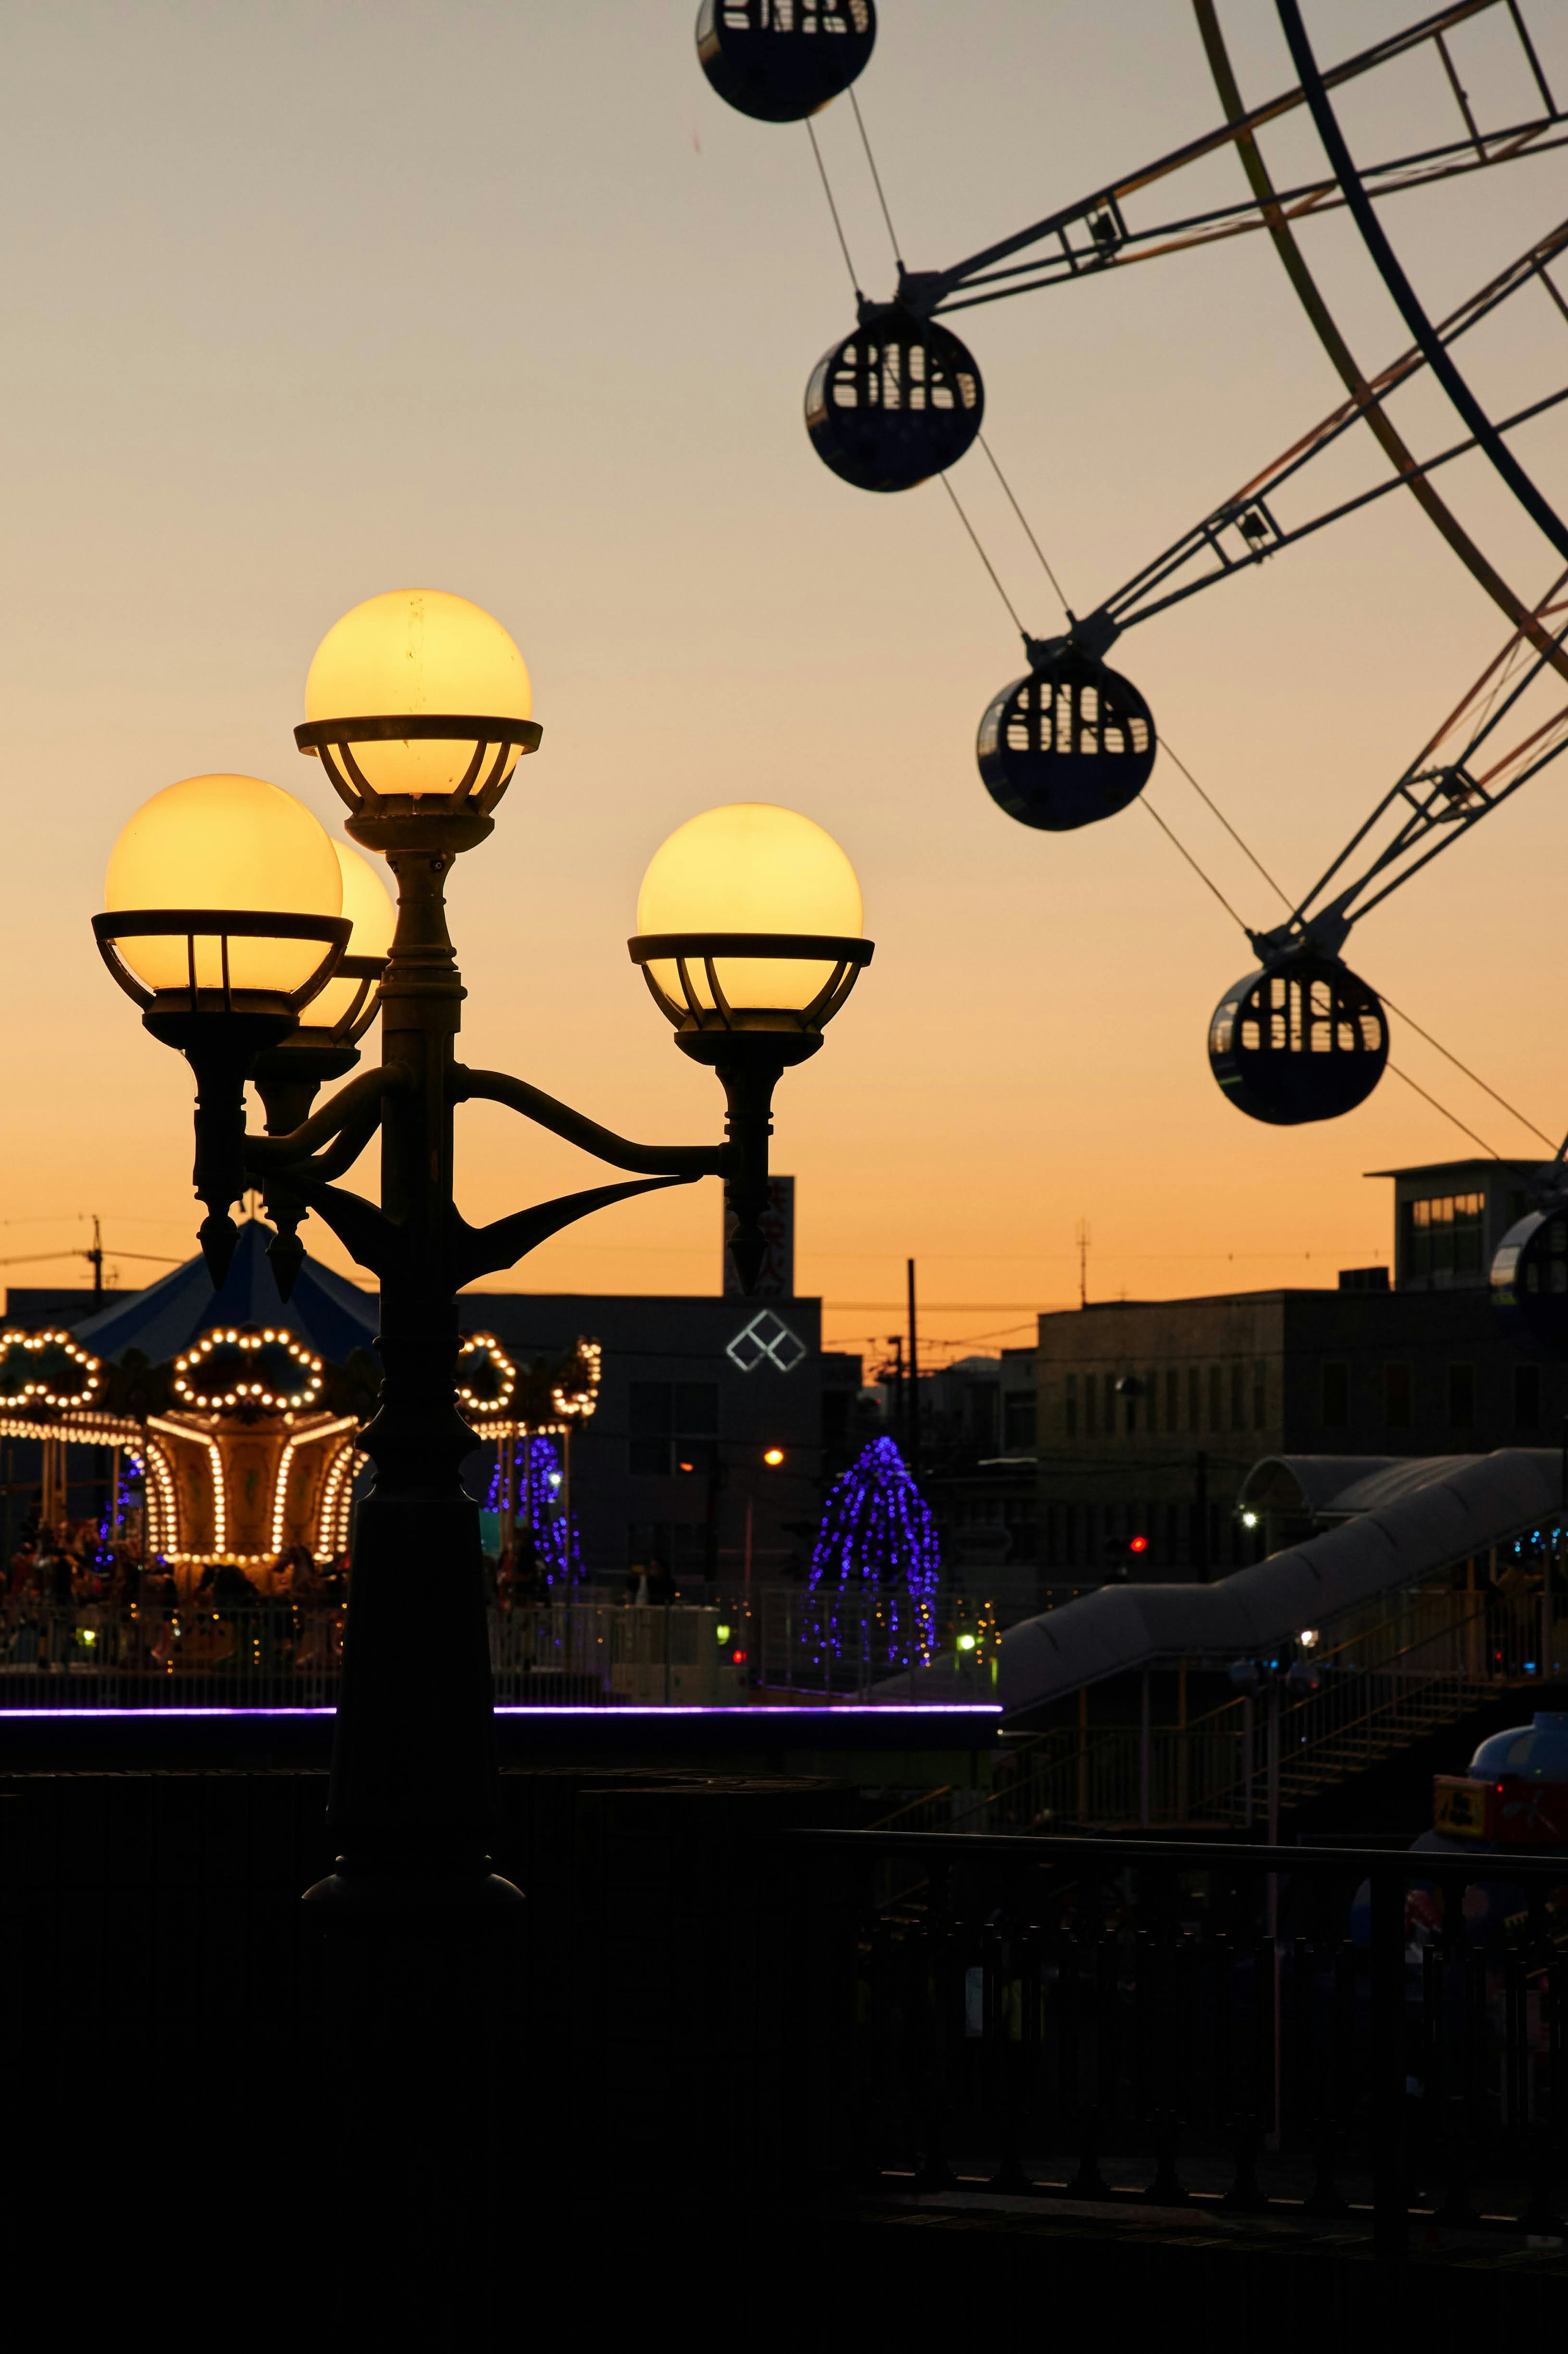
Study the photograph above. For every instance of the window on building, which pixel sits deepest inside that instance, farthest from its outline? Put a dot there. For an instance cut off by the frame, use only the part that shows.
(1018, 1420)
(1194, 1398)
(674, 1429)
(1259, 1394)
(1336, 1396)
(1461, 1398)
(1070, 1406)
(1396, 1397)
(1215, 1399)
(1238, 1393)
(1110, 1403)
(1527, 1397)
(1091, 1404)
(1443, 1236)
(1172, 1399)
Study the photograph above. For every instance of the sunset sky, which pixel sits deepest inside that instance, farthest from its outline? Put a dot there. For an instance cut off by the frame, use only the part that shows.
(310, 301)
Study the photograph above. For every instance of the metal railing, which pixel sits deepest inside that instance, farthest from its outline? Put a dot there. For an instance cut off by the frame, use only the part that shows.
(1177, 2023)
(1384, 1682)
(580, 1652)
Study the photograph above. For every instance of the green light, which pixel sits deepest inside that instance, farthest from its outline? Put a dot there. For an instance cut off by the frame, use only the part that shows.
(722, 1633)
(966, 1642)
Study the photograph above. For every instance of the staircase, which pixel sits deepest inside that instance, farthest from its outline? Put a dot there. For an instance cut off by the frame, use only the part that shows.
(1382, 1686)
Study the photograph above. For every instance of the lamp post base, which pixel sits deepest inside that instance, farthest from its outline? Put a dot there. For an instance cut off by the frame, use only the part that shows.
(412, 1799)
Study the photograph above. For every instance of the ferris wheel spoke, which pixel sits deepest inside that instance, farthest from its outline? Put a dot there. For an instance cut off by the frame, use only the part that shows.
(1093, 234)
(1364, 394)
(1457, 778)
(1528, 492)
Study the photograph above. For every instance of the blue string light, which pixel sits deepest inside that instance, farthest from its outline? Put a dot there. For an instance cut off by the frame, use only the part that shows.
(557, 1546)
(877, 1556)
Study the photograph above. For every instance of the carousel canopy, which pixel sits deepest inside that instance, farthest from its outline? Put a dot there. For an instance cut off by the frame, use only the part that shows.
(331, 1315)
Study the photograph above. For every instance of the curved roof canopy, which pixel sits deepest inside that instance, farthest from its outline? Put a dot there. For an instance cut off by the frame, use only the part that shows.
(331, 1315)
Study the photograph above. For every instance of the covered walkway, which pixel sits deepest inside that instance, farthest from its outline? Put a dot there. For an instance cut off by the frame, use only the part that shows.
(1410, 1520)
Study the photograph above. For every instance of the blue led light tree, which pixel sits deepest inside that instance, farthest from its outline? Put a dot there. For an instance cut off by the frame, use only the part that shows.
(542, 1515)
(876, 1561)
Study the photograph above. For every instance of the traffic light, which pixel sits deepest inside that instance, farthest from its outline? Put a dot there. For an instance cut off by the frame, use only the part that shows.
(1122, 1553)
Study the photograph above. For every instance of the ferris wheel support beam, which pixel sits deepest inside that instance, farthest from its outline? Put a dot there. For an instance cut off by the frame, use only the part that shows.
(1437, 512)
(1530, 497)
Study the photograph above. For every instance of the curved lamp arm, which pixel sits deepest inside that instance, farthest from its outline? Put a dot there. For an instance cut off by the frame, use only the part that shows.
(658, 1160)
(279, 1151)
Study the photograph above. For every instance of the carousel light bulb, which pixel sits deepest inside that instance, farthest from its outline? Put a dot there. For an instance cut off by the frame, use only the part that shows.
(417, 652)
(751, 867)
(223, 842)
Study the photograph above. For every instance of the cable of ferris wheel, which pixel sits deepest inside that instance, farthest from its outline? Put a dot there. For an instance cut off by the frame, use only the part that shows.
(1448, 1115)
(838, 225)
(1166, 746)
(984, 558)
(876, 179)
(1211, 886)
(1473, 1076)
(1029, 535)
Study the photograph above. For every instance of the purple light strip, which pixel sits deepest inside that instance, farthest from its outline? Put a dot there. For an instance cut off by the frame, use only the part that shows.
(872, 1710)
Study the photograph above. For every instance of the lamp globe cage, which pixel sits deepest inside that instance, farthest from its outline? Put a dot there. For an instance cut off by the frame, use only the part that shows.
(223, 922)
(782, 60)
(418, 703)
(1070, 743)
(1302, 1039)
(895, 402)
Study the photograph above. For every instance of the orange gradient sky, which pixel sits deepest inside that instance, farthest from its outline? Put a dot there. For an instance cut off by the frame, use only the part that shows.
(308, 302)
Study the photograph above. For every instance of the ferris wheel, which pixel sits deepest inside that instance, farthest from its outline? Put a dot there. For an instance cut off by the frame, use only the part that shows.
(900, 400)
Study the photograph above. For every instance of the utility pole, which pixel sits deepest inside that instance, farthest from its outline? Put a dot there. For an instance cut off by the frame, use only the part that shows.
(95, 1260)
(913, 1381)
(1084, 1238)
(895, 1343)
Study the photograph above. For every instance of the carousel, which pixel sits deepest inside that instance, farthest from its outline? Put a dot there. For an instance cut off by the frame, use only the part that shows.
(226, 1424)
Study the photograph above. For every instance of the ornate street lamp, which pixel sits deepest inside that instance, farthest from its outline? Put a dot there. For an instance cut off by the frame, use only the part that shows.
(418, 708)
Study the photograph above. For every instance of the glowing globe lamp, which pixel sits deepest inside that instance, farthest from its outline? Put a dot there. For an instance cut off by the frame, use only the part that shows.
(373, 919)
(418, 697)
(216, 846)
(224, 919)
(749, 918)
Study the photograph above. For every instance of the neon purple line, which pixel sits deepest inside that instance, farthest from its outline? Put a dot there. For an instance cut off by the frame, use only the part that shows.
(873, 1711)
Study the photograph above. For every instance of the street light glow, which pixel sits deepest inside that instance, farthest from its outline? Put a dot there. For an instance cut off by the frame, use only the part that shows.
(750, 868)
(774, 1455)
(417, 653)
(223, 842)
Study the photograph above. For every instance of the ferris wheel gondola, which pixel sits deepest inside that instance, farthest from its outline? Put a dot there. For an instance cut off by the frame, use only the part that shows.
(895, 402)
(784, 61)
(1069, 743)
(1303, 1038)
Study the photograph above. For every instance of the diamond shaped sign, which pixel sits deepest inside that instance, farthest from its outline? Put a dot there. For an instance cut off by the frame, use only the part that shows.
(767, 1340)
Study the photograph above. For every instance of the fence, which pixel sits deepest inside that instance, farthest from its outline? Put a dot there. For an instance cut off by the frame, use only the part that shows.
(1172, 2023)
(582, 1652)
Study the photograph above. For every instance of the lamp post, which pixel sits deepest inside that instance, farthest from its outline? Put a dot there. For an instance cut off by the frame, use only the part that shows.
(229, 917)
